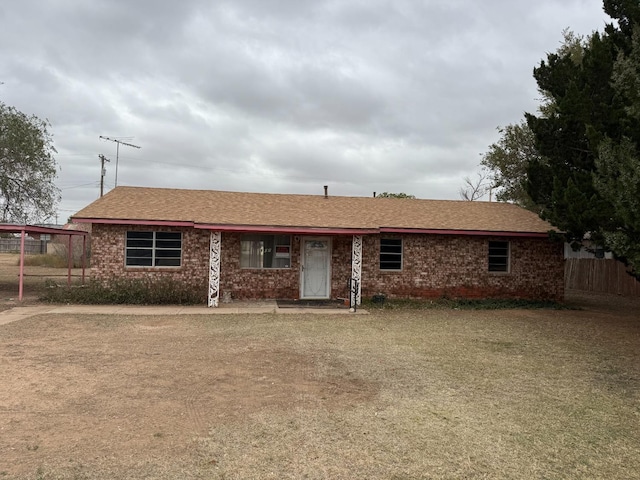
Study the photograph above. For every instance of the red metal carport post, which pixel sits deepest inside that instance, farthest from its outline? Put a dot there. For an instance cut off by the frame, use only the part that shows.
(70, 257)
(84, 255)
(20, 288)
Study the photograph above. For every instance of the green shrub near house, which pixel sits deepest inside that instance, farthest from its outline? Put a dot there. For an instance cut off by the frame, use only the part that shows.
(126, 291)
(458, 303)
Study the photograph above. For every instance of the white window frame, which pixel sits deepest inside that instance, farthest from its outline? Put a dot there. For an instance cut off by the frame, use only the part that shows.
(154, 249)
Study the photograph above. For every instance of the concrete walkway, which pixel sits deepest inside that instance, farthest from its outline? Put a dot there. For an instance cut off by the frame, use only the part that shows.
(20, 313)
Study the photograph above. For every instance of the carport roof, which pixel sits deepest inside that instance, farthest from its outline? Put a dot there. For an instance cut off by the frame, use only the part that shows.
(18, 227)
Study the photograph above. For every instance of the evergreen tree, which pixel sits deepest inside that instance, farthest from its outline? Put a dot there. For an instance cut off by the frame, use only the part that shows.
(586, 111)
(587, 179)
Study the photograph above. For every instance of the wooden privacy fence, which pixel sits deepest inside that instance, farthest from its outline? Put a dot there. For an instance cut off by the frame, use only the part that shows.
(12, 245)
(600, 275)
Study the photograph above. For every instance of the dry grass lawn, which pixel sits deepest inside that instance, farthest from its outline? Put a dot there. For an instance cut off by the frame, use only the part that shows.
(405, 395)
(34, 280)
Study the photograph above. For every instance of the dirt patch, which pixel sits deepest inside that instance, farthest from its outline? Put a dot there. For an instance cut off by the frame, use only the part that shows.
(409, 394)
(143, 388)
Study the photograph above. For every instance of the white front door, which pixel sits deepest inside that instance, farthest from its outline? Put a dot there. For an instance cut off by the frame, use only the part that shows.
(315, 279)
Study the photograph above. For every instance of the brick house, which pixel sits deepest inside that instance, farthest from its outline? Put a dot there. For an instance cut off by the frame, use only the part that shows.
(256, 246)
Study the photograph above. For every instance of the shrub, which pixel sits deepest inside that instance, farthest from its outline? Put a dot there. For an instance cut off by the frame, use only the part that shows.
(126, 291)
(45, 260)
(57, 257)
(460, 303)
(61, 250)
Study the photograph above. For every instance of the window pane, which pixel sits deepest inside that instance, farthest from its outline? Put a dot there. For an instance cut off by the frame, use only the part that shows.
(390, 254)
(168, 244)
(168, 235)
(140, 239)
(167, 253)
(391, 249)
(139, 253)
(148, 235)
(167, 262)
(498, 250)
(251, 253)
(282, 239)
(134, 242)
(138, 262)
(267, 244)
(153, 249)
(265, 251)
(498, 256)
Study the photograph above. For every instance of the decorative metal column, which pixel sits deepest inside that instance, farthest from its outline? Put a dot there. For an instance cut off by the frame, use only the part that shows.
(356, 268)
(214, 269)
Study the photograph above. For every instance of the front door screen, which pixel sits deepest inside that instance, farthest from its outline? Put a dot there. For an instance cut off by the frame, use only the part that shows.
(316, 269)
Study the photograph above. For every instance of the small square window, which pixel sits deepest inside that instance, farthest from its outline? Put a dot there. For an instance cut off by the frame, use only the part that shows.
(498, 256)
(390, 254)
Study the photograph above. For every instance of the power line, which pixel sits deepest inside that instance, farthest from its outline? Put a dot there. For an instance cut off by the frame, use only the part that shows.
(79, 186)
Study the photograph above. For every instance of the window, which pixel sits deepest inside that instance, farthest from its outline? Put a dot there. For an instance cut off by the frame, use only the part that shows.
(265, 251)
(498, 256)
(153, 249)
(390, 254)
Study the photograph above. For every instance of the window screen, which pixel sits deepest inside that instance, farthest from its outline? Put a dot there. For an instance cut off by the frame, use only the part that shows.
(390, 254)
(153, 249)
(498, 256)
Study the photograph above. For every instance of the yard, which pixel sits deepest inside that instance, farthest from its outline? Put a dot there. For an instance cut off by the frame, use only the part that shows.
(392, 395)
(34, 279)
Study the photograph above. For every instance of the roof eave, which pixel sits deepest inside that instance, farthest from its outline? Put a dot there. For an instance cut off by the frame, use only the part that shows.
(307, 230)
(129, 221)
(294, 230)
(482, 233)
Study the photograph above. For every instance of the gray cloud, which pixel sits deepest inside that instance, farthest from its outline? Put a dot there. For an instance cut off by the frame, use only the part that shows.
(278, 96)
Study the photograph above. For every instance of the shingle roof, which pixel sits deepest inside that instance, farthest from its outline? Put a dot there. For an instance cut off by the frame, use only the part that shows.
(208, 207)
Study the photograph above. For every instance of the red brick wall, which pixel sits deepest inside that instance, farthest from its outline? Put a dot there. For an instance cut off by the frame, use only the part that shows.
(251, 283)
(279, 283)
(108, 254)
(340, 267)
(433, 266)
(457, 266)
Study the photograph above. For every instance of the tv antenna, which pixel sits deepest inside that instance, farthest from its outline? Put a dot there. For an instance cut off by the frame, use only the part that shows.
(118, 141)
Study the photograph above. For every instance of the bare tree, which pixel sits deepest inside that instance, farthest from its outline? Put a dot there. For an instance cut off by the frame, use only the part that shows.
(475, 189)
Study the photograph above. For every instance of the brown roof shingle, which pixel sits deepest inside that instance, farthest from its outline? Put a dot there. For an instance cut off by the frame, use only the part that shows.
(211, 207)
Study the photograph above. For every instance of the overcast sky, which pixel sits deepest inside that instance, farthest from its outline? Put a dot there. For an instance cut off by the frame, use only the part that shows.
(278, 96)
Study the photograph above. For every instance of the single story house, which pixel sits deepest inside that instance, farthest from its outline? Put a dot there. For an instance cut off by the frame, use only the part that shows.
(237, 245)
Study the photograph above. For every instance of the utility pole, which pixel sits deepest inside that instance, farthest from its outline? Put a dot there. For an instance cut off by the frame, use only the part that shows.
(118, 142)
(102, 172)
